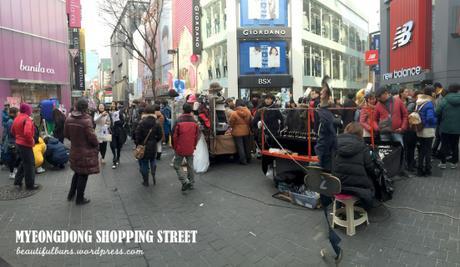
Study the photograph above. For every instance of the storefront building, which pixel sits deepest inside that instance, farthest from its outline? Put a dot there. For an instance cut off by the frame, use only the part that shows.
(419, 42)
(281, 46)
(34, 57)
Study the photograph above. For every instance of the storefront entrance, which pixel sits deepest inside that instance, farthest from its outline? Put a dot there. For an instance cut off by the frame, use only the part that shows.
(33, 93)
(284, 94)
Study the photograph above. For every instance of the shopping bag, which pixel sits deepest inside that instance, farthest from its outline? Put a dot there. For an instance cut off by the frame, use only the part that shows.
(201, 156)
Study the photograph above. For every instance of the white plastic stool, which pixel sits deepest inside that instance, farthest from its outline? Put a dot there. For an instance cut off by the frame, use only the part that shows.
(350, 223)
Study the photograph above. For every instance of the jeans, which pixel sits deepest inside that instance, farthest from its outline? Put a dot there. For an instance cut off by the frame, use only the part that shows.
(190, 171)
(103, 149)
(424, 154)
(116, 146)
(410, 143)
(145, 165)
(26, 168)
(449, 144)
(243, 146)
(78, 186)
(393, 137)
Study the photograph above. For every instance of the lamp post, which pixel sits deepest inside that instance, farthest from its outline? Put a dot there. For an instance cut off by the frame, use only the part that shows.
(175, 52)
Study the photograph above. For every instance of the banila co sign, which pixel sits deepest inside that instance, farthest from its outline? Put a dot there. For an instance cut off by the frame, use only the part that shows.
(403, 73)
(403, 35)
(37, 68)
(196, 21)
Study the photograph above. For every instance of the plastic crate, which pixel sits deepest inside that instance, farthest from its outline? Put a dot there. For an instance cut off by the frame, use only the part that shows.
(309, 199)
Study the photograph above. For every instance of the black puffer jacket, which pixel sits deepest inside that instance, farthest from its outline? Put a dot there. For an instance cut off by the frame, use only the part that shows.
(148, 122)
(272, 118)
(352, 164)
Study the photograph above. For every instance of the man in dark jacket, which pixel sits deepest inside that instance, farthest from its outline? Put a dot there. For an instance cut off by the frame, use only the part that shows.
(350, 106)
(353, 163)
(148, 133)
(84, 150)
(185, 138)
(56, 153)
(272, 119)
(326, 142)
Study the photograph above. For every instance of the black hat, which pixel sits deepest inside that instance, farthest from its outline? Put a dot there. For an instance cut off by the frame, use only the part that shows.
(380, 91)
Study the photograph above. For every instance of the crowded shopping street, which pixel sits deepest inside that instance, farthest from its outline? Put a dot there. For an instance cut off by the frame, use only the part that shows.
(229, 133)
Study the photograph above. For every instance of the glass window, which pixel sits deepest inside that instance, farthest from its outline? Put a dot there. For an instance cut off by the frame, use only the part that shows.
(336, 29)
(346, 67)
(327, 62)
(307, 61)
(344, 34)
(306, 15)
(208, 22)
(315, 19)
(316, 59)
(326, 30)
(353, 68)
(336, 65)
(352, 36)
(224, 13)
(359, 70)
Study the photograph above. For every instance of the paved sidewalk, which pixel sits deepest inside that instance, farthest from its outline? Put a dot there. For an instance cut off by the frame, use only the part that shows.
(233, 230)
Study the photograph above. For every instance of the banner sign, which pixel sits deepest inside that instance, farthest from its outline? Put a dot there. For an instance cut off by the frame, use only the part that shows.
(263, 58)
(265, 81)
(372, 57)
(196, 29)
(74, 13)
(80, 77)
(263, 12)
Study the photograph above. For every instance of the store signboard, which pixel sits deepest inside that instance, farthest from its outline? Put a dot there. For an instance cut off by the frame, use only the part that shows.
(74, 12)
(403, 73)
(196, 31)
(372, 57)
(263, 58)
(264, 33)
(265, 81)
(263, 12)
(80, 77)
(410, 34)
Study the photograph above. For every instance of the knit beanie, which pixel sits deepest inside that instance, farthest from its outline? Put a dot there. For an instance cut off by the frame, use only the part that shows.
(25, 108)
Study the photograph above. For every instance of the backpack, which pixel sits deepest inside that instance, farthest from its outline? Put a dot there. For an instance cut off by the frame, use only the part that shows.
(415, 121)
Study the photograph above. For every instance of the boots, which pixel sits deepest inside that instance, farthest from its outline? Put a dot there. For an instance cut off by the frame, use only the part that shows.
(154, 170)
(145, 179)
(158, 155)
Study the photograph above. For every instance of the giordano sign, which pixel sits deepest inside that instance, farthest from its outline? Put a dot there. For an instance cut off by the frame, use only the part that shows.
(403, 73)
(264, 33)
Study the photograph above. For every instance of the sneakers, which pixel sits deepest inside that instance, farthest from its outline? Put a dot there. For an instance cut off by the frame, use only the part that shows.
(114, 166)
(453, 165)
(442, 166)
(12, 175)
(82, 202)
(186, 186)
(40, 170)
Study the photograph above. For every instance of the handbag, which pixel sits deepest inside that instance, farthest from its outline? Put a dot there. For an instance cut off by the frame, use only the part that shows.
(386, 126)
(139, 151)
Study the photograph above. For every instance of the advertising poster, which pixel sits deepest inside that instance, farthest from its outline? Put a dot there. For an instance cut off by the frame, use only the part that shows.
(263, 57)
(264, 12)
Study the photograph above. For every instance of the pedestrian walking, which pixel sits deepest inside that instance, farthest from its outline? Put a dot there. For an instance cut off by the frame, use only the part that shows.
(117, 121)
(102, 121)
(161, 120)
(425, 136)
(148, 134)
(79, 130)
(185, 138)
(23, 130)
(9, 150)
(166, 111)
(240, 121)
(448, 112)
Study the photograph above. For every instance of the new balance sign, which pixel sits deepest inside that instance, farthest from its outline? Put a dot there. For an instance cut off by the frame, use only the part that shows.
(372, 57)
(403, 34)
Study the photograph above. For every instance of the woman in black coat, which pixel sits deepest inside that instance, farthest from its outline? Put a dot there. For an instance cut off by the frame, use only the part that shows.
(353, 164)
(59, 120)
(148, 123)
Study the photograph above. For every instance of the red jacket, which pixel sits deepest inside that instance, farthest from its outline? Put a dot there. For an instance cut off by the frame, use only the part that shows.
(23, 129)
(185, 135)
(365, 119)
(399, 117)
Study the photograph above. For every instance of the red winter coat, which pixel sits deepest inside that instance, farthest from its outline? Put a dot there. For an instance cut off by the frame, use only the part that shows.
(185, 135)
(365, 119)
(84, 150)
(23, 129)
(399, 117)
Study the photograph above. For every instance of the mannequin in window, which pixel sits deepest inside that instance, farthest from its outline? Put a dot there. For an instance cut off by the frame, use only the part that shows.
(225, 64)
(217, 60)
(209, 63)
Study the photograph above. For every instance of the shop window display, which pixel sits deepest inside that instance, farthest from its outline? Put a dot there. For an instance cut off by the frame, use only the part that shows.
(307, 61)
(317, 66)
(315, 20)
(327, 62)
(326, 27)
(336, 65)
